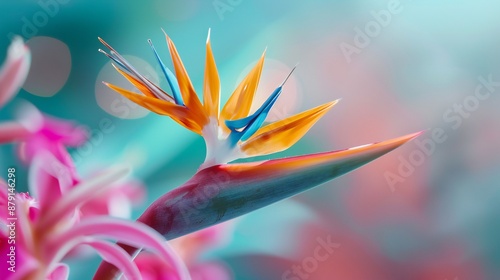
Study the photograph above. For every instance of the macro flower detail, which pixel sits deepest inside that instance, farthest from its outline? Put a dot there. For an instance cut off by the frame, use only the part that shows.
(50, 226)
(231, 133)
(35, 132)
(219, 190)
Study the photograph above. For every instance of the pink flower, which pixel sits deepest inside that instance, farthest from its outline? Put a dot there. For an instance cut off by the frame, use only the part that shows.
(48, 134)
(49, 226)
(14, 71)
(36, 132)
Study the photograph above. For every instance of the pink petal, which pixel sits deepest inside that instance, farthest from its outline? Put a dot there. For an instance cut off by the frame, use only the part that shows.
(68, 132)
(48, 179)
(114, 254)
(52, 128)
(25, 263)
(3, 201)
(28, 267)
(24, 231)
(12, 131)
(130, 233)
(61, 272)
(61, 153)
(14, 71)
(80, 194)
(4, 248)
(48, 134)
(223, 192)
(108, 251)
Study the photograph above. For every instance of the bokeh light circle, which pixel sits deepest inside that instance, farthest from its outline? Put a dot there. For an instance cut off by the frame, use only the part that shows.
(50, 66)
(114, 103)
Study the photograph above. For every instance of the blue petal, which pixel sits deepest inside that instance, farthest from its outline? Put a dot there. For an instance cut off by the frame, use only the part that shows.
(244, 128)
(234, 125)
(171, 79)
(252, 123)
(260, 118)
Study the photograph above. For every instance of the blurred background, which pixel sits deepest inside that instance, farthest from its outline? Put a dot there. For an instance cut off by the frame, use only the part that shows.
(428, 210)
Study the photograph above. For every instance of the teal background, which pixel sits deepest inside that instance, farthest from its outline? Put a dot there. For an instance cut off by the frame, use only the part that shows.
(439, 222)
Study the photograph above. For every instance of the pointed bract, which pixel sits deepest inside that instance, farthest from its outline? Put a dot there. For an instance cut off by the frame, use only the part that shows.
(211, 84)
(233, 190)
(186, 87)
(12, 131)
(171, 79)
(239, 104)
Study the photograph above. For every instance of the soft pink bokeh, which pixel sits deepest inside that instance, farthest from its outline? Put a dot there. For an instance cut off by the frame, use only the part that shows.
(191, 249)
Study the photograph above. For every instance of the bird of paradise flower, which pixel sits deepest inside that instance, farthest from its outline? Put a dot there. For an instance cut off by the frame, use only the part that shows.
(232, 189)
